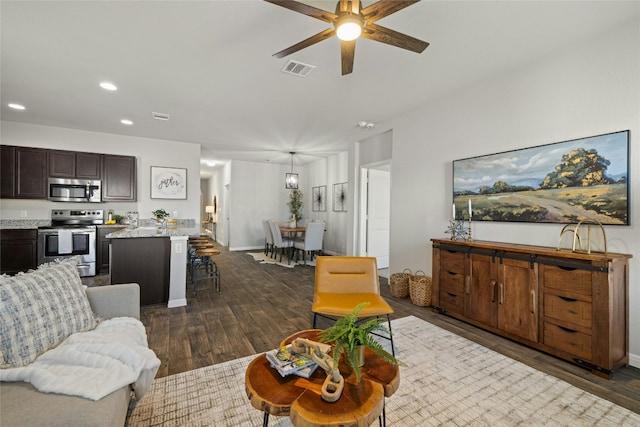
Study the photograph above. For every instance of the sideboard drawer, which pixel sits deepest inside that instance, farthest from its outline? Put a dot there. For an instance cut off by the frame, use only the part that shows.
(568, 310)
(452, 261)
(571, 341)
(567, 279)
(452, 301)
(452, 282)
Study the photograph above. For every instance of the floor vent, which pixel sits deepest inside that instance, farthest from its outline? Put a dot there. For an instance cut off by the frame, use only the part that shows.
(298, 68)
(160, 116)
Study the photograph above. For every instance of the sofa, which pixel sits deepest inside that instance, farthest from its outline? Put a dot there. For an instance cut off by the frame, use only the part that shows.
(21, 403)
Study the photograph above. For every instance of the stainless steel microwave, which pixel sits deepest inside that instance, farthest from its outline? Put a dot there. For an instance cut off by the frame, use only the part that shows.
(74, 190)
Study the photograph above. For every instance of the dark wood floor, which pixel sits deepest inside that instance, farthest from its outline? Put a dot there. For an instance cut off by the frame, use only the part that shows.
(261, 304)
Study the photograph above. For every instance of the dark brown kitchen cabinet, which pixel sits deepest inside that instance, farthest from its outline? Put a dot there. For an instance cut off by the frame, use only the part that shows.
(145, 261)
(24, 172)
(17, 250)
(102, 250)
(118, 178)
(573, 305)
(71, 164)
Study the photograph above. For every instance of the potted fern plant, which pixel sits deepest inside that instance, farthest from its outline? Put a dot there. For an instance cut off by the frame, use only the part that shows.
(352, 338)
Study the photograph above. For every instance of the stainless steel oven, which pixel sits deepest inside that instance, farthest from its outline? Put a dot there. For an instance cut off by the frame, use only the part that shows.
(72, 232)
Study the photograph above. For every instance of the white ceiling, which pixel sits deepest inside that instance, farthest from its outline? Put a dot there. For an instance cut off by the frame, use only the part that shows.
(209, 65)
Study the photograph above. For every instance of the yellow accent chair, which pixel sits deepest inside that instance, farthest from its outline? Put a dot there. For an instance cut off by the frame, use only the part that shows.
(343, 282)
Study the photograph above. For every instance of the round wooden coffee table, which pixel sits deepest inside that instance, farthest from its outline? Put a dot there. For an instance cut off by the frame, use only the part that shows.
(299, 398)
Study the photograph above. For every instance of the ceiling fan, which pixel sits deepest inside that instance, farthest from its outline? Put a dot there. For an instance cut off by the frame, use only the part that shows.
(351, 21)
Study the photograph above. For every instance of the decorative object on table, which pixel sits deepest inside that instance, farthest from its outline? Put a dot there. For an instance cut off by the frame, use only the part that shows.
(288, 361)
(577, 237)
(399, 283)
(161, 216)
(334, 383)
(420, 289)
(340, 197)
(581, 179)
(168, 183)
(319, 195)
(295, 205)
(351, 338)
(457, 230)
(291, 179)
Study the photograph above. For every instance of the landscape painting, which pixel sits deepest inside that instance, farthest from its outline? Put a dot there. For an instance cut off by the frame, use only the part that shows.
(584, 179)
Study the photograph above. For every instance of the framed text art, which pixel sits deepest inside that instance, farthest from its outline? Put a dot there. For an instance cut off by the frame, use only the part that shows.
(584, 179)
(340, 197)
(168, 183)
(319, 198)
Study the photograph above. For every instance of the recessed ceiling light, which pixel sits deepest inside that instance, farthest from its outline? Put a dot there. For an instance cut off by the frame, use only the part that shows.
(108, 86)
(16, 106)
(126, 122)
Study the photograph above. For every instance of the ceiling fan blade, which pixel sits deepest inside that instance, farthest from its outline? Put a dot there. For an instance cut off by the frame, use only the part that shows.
(393, 38)
(347, 54)
(329, 32)
(314, 12)
(384, 8)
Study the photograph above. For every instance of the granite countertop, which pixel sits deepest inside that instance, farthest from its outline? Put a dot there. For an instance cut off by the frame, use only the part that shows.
(23, 224)
(132, 233)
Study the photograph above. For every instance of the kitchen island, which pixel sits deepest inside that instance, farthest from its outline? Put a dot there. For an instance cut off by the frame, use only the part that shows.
(156, 259)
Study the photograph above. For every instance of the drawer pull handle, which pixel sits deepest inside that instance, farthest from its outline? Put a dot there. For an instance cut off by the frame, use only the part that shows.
(571, 331)
(452, 295)
(453, 273)
(566, 268)
(501, 289)
(567, 299)
(467, 284)
(493, 291)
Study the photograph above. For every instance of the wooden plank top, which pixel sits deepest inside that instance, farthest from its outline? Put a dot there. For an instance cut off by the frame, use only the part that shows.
(533, 249)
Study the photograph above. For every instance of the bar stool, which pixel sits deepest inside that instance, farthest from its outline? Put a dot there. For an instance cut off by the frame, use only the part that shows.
(194, 245)
(204, 268)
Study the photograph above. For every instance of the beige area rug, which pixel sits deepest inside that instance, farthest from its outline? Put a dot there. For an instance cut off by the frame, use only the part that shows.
(266, 259)
(448, 381)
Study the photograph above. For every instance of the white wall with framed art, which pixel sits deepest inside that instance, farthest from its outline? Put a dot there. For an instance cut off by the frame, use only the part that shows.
(168, 183)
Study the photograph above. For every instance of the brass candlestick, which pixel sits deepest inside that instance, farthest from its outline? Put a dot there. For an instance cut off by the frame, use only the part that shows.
(469, 236)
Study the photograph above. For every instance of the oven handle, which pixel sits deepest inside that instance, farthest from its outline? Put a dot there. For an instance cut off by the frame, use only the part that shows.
(87, 191)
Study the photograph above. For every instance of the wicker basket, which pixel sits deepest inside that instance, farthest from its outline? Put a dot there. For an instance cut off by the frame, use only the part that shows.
(420, 289)
(399, 283)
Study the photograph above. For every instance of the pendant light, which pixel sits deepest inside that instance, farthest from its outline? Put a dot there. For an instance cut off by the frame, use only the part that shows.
(291, 179)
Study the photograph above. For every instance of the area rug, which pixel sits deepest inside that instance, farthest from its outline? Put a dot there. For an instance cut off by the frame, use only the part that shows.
(448, 381)
(266, 259)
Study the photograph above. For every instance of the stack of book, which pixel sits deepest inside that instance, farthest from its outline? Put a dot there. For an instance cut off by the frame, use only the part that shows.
(288, 362)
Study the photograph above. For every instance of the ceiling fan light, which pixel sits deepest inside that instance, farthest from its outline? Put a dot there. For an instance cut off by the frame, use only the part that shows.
(349, 28)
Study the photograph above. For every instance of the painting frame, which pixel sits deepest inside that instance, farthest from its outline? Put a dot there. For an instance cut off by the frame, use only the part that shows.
(168, 183)
(584, 179)
(319, 195)
(340, 197)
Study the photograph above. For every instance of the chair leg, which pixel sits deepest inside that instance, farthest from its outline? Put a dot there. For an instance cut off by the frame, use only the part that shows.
(315, 317)
(393, 350)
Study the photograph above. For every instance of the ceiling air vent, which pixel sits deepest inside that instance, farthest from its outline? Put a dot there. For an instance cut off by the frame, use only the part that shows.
(160, 116)
(298, 68)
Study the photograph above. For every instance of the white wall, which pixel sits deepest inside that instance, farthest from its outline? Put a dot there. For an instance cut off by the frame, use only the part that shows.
(591, 89)
(148, 152)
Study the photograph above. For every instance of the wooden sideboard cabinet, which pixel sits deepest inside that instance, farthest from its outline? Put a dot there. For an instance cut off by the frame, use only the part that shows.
(573, 305)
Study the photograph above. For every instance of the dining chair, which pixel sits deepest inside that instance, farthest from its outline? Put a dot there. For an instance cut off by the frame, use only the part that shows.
(268, 237)
(343, 282)
(280, 242)
(312, 240)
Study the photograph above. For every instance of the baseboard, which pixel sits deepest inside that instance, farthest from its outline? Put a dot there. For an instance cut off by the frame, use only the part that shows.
(177, 303)
(634, 360)
(246, 248)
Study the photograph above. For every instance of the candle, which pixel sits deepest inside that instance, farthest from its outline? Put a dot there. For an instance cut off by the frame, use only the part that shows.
(470, 208)
(454, 211)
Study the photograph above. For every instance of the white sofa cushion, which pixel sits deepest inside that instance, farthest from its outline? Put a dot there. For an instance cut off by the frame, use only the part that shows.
(39, 309)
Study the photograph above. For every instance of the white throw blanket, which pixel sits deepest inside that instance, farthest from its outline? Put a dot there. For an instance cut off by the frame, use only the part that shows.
(95, 363)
